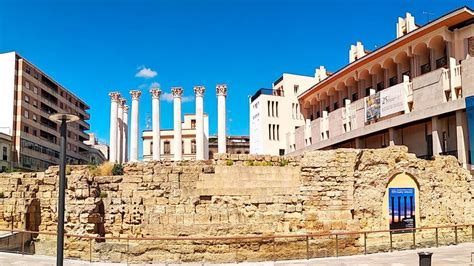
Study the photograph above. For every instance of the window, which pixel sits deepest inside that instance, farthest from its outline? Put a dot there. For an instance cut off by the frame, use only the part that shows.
(27, 84)
(35, 133)
(34, 117)
(5, 154)
(151, 148)
(276, 108)
(27, 99)
(25, 129)
(295, 89)
(367, 91)
(193, 146)
(282, 152)
(35, 89)
(273, 108)
(336, 105)
(270, 132)
(273, 133)
(278, 132)
(36, 75)
(193, 123)
(166, 146)
(27, 70)
(471, 46)
(182, 146)
(354, 97)
(27, 114)
(268, 107)
(293, 110)
(35, 103)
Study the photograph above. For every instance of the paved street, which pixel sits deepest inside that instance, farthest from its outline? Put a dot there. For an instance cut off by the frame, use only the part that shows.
(452, 255)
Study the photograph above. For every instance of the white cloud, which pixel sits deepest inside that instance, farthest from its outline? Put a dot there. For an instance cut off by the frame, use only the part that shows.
(168, 97)
(155, 85)
(146, 73)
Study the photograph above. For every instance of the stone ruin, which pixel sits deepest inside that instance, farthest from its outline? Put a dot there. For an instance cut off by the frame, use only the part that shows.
(237, 195)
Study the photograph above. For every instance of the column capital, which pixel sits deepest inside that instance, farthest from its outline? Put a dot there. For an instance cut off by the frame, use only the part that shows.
(115, 96)
(177, 92)
(135, 94)
(122, 102)
(125, 108)
(199, 90)
(221, 89)
(155, 93)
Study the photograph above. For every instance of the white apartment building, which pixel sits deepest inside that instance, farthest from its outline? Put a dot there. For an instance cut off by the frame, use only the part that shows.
(276, 112)
(28, 97)
(188, 129)
(416, 91)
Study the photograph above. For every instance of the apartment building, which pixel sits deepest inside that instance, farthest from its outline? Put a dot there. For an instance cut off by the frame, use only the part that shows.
(188, 132)
(5, 149)
(411, 91)
(234, 145)
(29, 97)
(98, 152)
(276, 112)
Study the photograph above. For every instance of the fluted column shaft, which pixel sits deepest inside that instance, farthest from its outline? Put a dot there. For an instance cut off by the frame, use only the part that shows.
(134, 126)
(115, 97)
(221, 91)
(199, 90)
(155, 95)
(120, 131)
(125, 134)
(178, 145)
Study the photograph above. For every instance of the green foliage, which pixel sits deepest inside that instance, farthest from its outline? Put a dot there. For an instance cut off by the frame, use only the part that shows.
(229, 162)
(117, 169)
(103, 194)
(250, 163)
(284, 162)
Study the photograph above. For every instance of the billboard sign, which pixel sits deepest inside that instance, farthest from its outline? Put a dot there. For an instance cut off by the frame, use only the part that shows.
(384, 103)
(401, 208)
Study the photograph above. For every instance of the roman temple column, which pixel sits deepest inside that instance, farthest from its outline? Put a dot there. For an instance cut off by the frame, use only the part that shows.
(115, 97)
(155, 102)
(120, 130)
(134, 129)
(221, 90)
(125, 134)
(177, 141)
(199, 90)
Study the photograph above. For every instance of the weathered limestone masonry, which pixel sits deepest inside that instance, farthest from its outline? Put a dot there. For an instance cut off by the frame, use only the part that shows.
(236, 195)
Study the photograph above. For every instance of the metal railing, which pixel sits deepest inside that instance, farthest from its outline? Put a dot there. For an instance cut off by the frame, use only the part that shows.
(304, 246)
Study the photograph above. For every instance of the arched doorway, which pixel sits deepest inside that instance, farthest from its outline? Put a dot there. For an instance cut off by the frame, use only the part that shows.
(401, 202)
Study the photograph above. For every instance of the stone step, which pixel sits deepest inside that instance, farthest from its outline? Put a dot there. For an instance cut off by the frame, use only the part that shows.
(243, 184)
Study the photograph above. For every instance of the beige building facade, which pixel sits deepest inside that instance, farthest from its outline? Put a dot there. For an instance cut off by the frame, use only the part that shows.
(188, 139)
(276, 112)
(29, 97)
(5, 152)
(410, 92)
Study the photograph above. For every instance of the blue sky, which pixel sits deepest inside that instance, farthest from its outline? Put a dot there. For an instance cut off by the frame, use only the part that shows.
(94, 47)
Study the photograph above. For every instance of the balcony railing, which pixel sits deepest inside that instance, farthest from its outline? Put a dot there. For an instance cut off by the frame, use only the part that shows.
(267, 92)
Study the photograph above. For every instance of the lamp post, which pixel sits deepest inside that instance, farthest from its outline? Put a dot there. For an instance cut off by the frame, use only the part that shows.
(63, 119)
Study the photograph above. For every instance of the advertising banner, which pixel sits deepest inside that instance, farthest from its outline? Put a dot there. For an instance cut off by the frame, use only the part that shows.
(401, 208)
(385, 102)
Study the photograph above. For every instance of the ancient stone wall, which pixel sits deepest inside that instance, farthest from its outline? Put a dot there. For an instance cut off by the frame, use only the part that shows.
(235, 195)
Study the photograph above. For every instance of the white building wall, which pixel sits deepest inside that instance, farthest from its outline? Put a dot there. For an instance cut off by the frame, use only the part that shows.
(7, 86)
(285, 114)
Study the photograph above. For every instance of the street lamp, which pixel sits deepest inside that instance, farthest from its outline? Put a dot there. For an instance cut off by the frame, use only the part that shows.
(63, 119)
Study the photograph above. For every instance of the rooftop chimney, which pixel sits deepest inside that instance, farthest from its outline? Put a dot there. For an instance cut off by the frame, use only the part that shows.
(405, 25)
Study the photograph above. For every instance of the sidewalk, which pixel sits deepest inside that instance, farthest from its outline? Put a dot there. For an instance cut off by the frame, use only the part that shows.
(451, 255)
